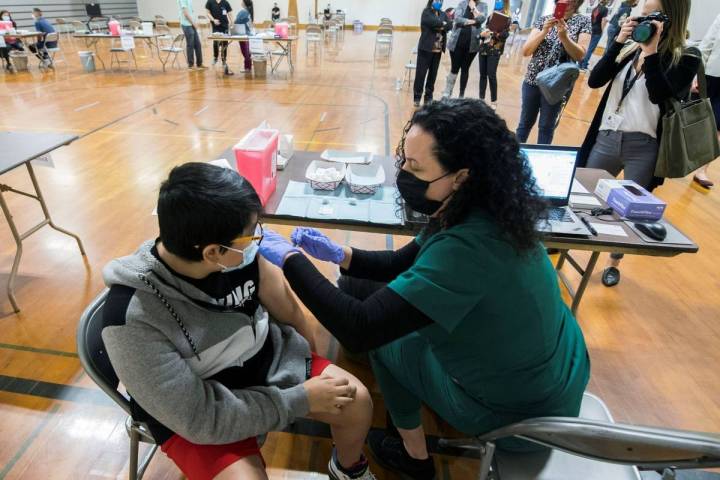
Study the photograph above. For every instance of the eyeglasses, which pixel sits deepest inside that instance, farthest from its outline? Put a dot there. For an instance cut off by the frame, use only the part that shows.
(252, 238)
(246, 238)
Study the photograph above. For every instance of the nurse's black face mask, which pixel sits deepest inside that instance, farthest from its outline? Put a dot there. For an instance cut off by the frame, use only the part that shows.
(413, 191)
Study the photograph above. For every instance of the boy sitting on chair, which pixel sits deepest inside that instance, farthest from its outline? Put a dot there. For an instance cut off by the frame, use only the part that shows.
(212, 346)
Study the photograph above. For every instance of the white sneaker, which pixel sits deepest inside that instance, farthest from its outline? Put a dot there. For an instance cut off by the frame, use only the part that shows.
(335, 473)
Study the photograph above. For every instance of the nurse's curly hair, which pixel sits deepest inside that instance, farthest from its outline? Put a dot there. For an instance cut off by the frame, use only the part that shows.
(469, 134)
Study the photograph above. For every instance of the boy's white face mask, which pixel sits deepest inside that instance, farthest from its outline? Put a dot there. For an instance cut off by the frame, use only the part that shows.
(249, 253)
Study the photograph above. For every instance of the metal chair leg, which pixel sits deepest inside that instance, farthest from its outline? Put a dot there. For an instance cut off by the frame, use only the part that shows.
(134, 448)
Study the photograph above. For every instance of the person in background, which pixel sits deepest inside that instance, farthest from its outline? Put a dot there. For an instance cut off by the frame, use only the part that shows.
(492, 46)
(434, 26)
(463, 44)
(640, 79)
(245, 17)
(710, 48)
(327, 13)
(219, 13)
(551, 42)
(43, 26)
(467, 318)
(192, 38)
(11, 43)
(275, 13)
(599, 21)
(616, 22)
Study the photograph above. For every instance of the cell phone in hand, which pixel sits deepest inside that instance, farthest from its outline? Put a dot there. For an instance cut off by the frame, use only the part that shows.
(560, 9)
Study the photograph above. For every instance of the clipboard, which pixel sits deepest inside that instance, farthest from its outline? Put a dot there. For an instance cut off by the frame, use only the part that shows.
(498, 22)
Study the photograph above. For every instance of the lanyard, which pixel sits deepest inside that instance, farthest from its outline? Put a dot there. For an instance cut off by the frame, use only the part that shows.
(629, 83)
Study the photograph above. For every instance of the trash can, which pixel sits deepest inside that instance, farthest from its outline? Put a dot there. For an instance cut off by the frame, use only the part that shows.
(19, 61)
(260, 66)
(88, 61)
(358, 26)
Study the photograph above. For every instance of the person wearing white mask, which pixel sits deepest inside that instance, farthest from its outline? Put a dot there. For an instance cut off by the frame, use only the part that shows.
(211, 344)
(710, 48)
(11, 43)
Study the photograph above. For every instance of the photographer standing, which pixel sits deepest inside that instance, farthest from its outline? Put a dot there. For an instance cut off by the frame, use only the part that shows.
(646, 65)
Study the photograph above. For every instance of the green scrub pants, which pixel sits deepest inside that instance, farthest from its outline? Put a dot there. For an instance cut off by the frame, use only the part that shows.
(409, 375)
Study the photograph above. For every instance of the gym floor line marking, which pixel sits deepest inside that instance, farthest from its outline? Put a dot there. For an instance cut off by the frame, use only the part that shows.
(84, 107)
(28, 442)
(202, 110)
(46, 351)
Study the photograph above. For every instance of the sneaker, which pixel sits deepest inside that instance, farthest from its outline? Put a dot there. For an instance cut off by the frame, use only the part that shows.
(228, 72)
(360, 471)
(389, 452)
(416, 103)
(493, 105)
(201, 67)
(214, 61)
(191, 68)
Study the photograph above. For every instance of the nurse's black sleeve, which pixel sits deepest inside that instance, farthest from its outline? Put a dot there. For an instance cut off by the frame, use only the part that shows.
(382, 266)
(359, 326)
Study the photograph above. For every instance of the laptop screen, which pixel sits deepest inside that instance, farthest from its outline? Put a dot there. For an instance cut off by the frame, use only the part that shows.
(553, 169)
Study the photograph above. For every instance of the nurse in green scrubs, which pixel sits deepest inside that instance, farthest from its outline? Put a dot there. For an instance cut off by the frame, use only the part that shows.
(467, 318)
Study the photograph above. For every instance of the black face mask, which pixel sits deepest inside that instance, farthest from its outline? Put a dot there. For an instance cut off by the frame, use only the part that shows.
(413, 190)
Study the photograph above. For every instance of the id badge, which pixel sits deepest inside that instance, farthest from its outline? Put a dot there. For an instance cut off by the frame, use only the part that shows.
(224, 12)
(613, 121)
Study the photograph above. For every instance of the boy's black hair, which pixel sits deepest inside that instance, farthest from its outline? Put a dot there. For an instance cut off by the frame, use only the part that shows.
(202, 204)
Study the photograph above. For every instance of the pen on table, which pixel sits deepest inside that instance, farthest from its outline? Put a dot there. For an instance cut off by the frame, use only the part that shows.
(589, 226)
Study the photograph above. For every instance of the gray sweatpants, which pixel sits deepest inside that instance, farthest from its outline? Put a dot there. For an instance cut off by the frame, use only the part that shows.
(634, 152)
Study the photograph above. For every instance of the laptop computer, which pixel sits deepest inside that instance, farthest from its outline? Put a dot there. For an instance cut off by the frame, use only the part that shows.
(554, 170)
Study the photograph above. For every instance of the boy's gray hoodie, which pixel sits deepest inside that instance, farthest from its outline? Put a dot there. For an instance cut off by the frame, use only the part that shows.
(153, 355)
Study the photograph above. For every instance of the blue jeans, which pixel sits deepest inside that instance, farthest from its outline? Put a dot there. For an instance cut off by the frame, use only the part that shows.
(533, 103)
(194, 48)
(594, 40)
(611, 34)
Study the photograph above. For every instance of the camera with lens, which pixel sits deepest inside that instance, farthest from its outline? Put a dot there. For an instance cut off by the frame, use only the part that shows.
(645, 29)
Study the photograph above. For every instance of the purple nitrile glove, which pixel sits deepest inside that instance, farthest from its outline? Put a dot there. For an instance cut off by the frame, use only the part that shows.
(275, 248)
(317, 245)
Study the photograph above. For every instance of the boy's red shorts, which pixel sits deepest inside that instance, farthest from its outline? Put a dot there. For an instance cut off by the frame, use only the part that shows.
(205, 462)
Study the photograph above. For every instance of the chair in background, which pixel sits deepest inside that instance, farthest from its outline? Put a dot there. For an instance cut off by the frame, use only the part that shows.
(203, 24)
(591, 447)
(385, 21)
(174, 49)
(160, 21)
(166, 38)
(77, 26)
(64, 29)
(95, 362)
(410, 70)
(134, 25)
(383, 40)
(119, 48)
(52, 52)
(313, 34)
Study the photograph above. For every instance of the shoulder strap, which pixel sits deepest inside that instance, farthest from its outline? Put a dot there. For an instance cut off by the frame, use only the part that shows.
(702, 80)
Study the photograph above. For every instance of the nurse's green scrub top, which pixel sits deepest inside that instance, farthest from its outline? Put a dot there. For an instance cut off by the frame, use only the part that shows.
(502, 331)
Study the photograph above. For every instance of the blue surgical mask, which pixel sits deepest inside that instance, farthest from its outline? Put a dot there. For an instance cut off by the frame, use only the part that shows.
(499, 5)
(249, 253)
(437, 6)
(6, 18)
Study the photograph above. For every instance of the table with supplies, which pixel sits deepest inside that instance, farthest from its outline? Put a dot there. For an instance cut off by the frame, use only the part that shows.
(256, 44)
(20, 149)
(26, 38)
(613, 233)
(92, 40)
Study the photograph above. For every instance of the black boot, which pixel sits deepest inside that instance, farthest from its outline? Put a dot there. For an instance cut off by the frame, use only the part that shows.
(389, 452)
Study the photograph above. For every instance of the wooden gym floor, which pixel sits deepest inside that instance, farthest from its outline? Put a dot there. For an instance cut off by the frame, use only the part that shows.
(653, 339)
